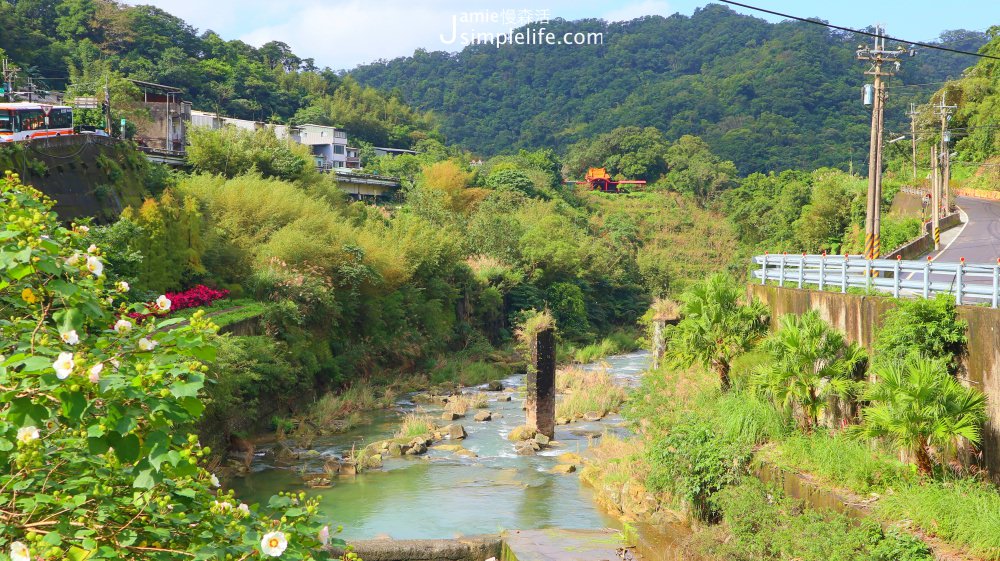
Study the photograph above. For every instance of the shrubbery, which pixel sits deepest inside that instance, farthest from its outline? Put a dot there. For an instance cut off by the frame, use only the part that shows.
(96, 456)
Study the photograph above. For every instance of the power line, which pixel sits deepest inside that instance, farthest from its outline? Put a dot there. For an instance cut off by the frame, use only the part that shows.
(870, 34)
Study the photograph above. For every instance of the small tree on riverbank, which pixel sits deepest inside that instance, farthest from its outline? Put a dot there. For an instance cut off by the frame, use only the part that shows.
(716, 326)
(917, 406)
(810, 361)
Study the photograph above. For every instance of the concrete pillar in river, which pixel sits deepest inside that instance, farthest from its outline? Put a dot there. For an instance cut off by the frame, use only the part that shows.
(540, 402)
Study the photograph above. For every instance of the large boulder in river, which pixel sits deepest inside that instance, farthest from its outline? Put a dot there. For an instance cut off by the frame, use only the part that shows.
(484, 416)
(522, 432)
(564, 468)
(526, 448)
(593, 416)
(541, 439)
(395, 449)
(416, 448)
(456, 432)
(450, 416)
(495, 386)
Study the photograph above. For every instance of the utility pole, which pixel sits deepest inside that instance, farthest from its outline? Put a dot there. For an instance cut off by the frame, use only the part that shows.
(878, 56)
(9, 72)
(944, 111)
(913, 138)
(935, 199)
(107, 107)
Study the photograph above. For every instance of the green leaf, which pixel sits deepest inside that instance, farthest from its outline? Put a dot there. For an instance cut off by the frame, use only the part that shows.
(97, 446)
(24, 412)
(21, 271)
(35, 363)
(204, 353)
(126, 447)
(185, 389)
(63, 288)
(158, 444)
(5, 445)
(74, 405)
(145, 479)
(68, 319)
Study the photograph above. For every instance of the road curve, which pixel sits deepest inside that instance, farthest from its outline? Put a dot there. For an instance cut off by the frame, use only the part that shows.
(979, 242)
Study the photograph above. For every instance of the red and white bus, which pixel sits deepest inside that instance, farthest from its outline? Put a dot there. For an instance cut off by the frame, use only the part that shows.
(23, 121)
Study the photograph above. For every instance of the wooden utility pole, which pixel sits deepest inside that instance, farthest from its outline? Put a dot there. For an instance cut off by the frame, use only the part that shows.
(878, 56)
(935, 199)
(913, 139)
(7, 73)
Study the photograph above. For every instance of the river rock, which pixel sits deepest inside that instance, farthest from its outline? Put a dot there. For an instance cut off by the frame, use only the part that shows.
(503, 398)
(541, 439)
(570, 458)
(525, 448)
(331, 466)
(466, 453)
(456, 432)
(495, 386)
(563, 420)
(521, 433)
(448, 447)
(395, 449)
(564, 468)
(348, 469)
(373, 462)
(450, 416)
(592, 416)
(484, 416)
(416, 448)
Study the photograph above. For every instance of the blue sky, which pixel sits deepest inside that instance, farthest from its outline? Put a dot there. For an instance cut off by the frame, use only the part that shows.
(344, 33)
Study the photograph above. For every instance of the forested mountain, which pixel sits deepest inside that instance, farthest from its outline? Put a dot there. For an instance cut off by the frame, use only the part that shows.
(766, 96)
(74, 45)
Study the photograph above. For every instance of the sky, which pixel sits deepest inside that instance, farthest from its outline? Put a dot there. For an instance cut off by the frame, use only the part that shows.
(342, 34)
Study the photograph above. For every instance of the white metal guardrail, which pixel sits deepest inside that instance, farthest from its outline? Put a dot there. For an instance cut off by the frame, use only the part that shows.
(969, 283)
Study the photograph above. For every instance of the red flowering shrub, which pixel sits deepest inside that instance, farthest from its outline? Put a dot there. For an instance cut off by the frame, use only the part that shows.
(200, 295)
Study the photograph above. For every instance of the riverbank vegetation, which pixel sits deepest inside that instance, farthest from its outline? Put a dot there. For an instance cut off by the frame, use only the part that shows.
(701, 444)
(98, 456)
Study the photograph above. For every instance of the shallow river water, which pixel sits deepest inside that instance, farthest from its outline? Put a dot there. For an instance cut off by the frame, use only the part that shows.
(441, 495)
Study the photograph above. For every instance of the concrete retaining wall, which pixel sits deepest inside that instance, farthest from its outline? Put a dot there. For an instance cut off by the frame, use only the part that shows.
(977, 193)
(473, 548)
(859, 317)
(925, 243)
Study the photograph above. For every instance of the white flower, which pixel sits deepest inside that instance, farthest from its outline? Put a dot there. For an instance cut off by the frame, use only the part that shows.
(73, 259)
(70, 337)
(224, 506)
(122, 286)
(27, 434)
(273, 544)
(82, 229)
(92, 249)
(244, 509)
(19, 552)
(95, 266)
(95, 372)
(163, 303)
(215, 481)
(63, 365)
(114, 362)
(123, 326)
(145, 344)
(324, 535)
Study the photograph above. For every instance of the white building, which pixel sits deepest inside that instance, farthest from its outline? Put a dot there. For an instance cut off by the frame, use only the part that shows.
(328, 144)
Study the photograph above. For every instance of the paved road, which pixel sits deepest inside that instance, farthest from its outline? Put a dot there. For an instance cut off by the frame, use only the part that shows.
(979, 242)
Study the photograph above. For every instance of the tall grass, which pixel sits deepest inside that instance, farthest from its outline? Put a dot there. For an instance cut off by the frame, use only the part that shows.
(618, 342)
(749, 420)
(466, 372)
(962, 511)
(841, 461)
(587, 391)
(415, 425)
(361, 396)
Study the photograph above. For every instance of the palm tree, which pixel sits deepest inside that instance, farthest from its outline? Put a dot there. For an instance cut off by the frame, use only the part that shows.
(810, 361)
(918, 406)
(716, 326)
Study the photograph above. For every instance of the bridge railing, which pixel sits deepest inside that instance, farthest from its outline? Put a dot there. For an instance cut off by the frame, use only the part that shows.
(969, 283)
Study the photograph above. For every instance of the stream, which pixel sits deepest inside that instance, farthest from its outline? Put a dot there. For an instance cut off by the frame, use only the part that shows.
(442, 495)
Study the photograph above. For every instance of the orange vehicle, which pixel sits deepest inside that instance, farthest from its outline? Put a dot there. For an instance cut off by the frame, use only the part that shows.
(600, 180)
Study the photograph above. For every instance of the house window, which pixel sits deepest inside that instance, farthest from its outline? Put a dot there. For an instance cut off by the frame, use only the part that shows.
(338, 149)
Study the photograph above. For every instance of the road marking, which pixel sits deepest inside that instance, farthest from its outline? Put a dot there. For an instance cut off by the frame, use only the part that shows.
(945, 248)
